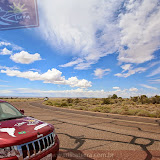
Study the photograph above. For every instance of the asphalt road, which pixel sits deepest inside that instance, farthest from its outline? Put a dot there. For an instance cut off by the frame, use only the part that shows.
(96, 136)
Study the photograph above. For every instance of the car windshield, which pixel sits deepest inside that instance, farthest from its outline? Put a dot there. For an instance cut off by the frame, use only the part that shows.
(7, 111)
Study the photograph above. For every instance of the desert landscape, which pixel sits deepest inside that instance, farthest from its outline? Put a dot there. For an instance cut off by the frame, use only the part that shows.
(137, 106)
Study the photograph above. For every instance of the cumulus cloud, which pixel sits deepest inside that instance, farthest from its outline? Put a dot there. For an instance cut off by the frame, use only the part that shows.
(133, 89)
(139, 31)
(99, 73)
(128, 70)
(80, 27)
(93, 29)
(149, 87)
(53, 76)
(5, 51)
(14, 46)
(24, 57)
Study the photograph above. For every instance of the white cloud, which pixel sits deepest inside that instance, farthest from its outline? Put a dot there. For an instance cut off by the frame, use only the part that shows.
(155, 81)
(34, 69)
(149, 87)
(153, 64)
(5, 51)
(133, 89)
(99, 73)
(14, 46)
(77, 26)
(128, 70)
(24, 57)
(4, 43)
(126, 93)
(8, 68)
(53, 76)
(155, 72)
(72, 63)
(139, 31)
(94, 29)
(126, 67)
(117, 88)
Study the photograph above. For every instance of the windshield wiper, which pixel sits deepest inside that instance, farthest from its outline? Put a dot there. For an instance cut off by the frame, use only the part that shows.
(12, 118)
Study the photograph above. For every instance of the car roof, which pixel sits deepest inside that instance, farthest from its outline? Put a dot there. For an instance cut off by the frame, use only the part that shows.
(1, 101)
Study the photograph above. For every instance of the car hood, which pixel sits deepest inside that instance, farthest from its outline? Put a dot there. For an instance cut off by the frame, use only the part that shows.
(22, 130)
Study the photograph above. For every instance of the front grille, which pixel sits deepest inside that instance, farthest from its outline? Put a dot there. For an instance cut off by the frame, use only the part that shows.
(35, 147)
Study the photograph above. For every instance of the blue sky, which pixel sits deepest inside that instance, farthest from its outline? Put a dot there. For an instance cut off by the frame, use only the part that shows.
(84, 49)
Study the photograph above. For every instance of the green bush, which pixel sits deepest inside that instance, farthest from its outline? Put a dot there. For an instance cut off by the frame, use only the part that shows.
(69, 100)
(64, 104)
(57, 104)
(76, 100)
(106, 101)
(114, 96)
(48, 103)
(135, 99)
(155, 100)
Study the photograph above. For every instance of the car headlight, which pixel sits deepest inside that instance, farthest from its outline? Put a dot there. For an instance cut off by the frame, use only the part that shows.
(8, 152)
(54, 133)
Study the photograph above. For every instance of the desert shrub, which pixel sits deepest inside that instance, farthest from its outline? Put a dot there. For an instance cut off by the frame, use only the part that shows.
(48, 103)
(155, 99)
(116, 111)
(143, 113)
(64, 104)
(57, 104)
(123, 112)
(153, 114)
(125, 108)
(82, 108)
(144, 99)
(106, 109)
(133, 111)
(76, 100)
(96, 109)
(106, 101)
(114, 96)
(69, 100)
(135, 99)
(158, 113)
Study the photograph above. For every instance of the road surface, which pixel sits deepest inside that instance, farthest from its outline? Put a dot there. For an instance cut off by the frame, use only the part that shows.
(98, 136)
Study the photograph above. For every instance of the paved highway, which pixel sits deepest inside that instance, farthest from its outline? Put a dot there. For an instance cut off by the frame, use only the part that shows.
(96, 136)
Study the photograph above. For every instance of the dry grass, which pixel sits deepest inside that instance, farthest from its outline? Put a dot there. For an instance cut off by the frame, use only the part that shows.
(20, 99)
(107, 105)
(115, 106)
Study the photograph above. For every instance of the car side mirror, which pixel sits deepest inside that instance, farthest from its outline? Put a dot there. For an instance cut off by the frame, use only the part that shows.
(22, 111)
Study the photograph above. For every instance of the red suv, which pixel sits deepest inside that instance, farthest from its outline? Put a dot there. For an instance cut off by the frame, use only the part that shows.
(25, 138)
